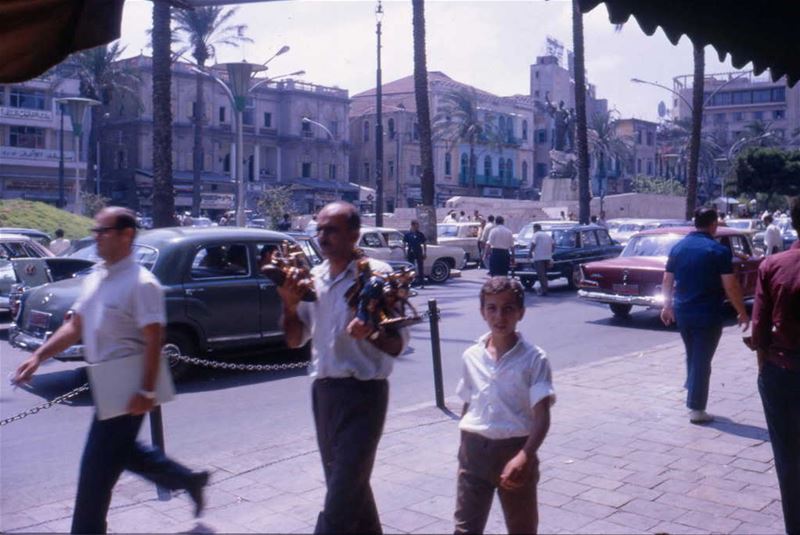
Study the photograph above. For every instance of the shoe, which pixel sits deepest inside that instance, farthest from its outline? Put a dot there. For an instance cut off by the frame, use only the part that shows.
(700, 417)
(195, 489)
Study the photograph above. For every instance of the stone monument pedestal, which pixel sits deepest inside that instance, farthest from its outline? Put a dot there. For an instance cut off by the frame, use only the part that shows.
(559, 189)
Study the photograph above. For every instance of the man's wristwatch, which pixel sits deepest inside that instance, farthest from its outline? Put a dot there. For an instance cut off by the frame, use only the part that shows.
(148, 394)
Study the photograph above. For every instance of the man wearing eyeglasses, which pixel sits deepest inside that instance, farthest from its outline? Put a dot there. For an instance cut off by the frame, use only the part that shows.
(120, 313)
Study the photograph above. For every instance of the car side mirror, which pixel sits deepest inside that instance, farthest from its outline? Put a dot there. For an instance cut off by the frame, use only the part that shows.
(757, 251)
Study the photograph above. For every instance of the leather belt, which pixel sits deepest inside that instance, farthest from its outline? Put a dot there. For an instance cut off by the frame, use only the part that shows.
(784, 361)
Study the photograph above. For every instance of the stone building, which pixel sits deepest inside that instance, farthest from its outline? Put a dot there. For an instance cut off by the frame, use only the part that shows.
(280, 149)
(643, 160)
(502, 170)
(30, 126)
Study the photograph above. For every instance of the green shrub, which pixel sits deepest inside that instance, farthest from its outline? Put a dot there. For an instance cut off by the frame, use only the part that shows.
(45, 217)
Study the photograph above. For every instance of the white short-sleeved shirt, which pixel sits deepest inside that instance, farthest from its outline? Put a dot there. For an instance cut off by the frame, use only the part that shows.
(115, 304)
(501, 238)
(334, 353)
(542, 246)
(773, 238)
(487, 229)
(502, 393)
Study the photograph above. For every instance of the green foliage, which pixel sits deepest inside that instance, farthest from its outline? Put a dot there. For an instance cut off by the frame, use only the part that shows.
(659, 186)
(93, 203)
(768, 170)
(42, 216)
(275, 202)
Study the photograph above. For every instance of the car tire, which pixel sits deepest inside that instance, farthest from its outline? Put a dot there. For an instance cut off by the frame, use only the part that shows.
(178, 343)
(620, 310)
(574, 277)
(528, 283)
(440, 272)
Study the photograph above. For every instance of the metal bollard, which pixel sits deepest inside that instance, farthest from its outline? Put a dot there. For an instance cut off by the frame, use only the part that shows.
(436, 352)
(157, 438)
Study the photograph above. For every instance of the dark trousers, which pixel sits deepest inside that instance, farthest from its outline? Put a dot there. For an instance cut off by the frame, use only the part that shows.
(349, 416)
(420, 262)
(780, 395)
(111, 448)
(480, 463)
(499, 262)
(541, 271)
(700, 343)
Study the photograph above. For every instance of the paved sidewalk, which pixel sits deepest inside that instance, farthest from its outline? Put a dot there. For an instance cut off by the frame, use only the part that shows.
(621, 457)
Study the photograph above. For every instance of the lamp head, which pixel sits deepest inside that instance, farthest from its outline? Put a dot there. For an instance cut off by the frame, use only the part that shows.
(379, 12)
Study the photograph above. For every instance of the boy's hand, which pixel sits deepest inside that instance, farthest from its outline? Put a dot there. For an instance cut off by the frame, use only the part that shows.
(521, 469)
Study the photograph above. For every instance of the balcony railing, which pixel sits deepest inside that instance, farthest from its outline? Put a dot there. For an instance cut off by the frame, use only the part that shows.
(489, 180)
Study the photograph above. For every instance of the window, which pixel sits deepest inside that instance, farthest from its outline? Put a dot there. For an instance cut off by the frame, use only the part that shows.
(738, 116)
(305, 129)
(226, 163)
(448, 164)
(415, 131)
(222, 114)
(524, 171)
(501, 168)
(638, 137)
(32, 100)
(778, 114)
(392, 131)
(588, 239)
(305, 170)
(603, 238)
(758, 115)
(335, 128)
(371, 240)
(332, 171)
(650, 167)
(525, 130)
(742, 97)
(719, 118)
(502, 125)
(365, 134)
(248, 115)
(541, 170)
(509, 168)
(366, 170)
(487, 166)
(215, 261)
(121, 159)
(267, 119)
(541, 136)
(638, 165)
(26, 137)
(761, 95)
(390, 165)
(393, 239)
(650, 138)
(564, 238)
(464, 164)
(778, 94)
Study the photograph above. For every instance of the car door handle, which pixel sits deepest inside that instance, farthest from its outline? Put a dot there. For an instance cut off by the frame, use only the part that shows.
(264, 285)
(192, 291)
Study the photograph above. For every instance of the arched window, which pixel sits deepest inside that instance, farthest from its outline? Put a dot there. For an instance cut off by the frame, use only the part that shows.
(502, 168)
(509, 168)
(366, 130)
(487, 166)
(525, 172)
(524, 129)
(391, 129)
(448, 164)
(464, 165)
(502, 125)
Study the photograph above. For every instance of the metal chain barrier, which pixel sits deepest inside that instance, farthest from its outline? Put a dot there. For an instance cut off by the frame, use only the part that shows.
(240, 367)
(60, 399)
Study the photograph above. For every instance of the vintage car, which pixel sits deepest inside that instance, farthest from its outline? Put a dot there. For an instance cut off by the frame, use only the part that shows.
(635, 277)
(464, 235)
(573, 243)
(216, 298)
(15, 246)
(42, 238)
(386, 244)
(750, 226)
(787, 232)
(622, 229)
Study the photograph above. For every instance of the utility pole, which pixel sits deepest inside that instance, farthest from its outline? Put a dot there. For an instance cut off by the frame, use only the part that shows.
(379, 127)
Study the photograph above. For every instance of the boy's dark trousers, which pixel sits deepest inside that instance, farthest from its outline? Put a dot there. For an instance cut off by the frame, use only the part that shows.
(480, 463)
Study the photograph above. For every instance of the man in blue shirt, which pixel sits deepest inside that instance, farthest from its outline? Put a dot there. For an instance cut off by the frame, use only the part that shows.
(701, 271)
(416, 250)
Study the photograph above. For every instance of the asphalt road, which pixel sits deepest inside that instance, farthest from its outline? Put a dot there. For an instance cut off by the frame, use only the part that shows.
(235, 412)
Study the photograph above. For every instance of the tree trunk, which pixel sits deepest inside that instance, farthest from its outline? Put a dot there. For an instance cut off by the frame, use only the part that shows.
(697, 127)
(91, 151)
(197, 149)
(427, 212)
(472, 167)
(163, 193)
(581, 136)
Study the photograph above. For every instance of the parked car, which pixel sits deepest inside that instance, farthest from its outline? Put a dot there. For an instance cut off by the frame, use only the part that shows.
(386, 244)
(77, 245)
(42, 238)
(622, 229)
(747, 225)
(788, 233)
(573, 243)
(15, 246)
(634, 279)
(33, 272)
(464, 235)
(216, 298)
(312, 251)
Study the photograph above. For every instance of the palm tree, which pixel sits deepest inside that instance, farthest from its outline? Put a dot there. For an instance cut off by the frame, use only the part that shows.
(760, 134)
(163, 193)
(457, 121)
(427, 214)
(581, 136)
(677, 133)
(698, 85)
(604, 143)
(204, 29)
(102, 78)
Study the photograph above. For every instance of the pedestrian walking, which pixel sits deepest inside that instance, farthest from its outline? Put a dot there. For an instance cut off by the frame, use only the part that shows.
(416, 250)
(60, 244)
(542, 254)
(501, 246)
(463, 217)
(701, 271)
(773, 238)
(507, 389)
(285, 225)
(483, 241)
(120, 313)
(601, 221)
(351, 362)
(776, 339)
(478, 218)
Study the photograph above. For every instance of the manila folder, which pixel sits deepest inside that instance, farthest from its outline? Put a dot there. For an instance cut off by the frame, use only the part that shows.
(114, 382)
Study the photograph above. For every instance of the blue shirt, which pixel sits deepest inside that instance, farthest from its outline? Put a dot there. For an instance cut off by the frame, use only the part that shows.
(414, 240)
(698, 262)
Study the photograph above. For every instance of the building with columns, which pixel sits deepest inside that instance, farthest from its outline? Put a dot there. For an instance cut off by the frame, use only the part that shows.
(280, 149)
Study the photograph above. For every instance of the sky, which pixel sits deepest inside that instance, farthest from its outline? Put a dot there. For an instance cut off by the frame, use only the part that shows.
(489, 44)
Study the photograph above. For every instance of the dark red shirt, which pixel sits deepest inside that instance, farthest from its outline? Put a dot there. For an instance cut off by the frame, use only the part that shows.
(776, 312)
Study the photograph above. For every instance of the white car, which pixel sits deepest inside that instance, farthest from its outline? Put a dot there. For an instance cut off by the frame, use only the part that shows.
(464, 235)
(386, 244)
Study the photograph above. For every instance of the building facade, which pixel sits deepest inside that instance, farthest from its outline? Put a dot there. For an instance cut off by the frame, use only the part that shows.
(30, 135)
(280, 148)
(642, 137)
(503, 169)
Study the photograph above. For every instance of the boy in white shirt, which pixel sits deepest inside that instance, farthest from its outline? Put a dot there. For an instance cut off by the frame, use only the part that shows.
(507, 391)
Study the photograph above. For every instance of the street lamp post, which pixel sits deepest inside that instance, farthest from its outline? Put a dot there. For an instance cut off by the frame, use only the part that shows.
(61, 201)
(379, 125)
(76, 109)
(331, 137)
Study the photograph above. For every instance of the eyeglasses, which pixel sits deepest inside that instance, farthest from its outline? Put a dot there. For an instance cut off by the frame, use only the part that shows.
(102, 230)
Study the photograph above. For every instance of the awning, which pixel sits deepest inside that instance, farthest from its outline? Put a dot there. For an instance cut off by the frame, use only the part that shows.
(764, 33)
(37, 34)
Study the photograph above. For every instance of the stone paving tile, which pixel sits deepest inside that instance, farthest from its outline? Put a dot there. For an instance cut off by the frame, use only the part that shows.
(639, 492)
(638, 522)
(562, 519)
(756, 529)
(405, 520)
(606, 497)
(655, 510)
(734, 499)
(594, 510)
(601, 482)
(675, 529)
(439, 506)
(695, 504)
(708, 523)
(753, 466)
(610, 528)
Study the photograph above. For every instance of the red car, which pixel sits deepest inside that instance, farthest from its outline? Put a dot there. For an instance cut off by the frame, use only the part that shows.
(634, 277)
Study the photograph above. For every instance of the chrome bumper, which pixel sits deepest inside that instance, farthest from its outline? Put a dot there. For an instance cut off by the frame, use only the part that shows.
(27, 342)
(651, 301)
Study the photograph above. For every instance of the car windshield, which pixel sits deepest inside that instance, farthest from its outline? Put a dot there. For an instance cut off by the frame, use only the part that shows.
(447, 231)
(741, 225)
(652, 245)
(526, 233)
(630, 227)
(142, 254)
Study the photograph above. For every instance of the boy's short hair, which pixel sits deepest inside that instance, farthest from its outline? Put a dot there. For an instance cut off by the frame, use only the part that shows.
(500, 220)
(705, 216)
(500, 284)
